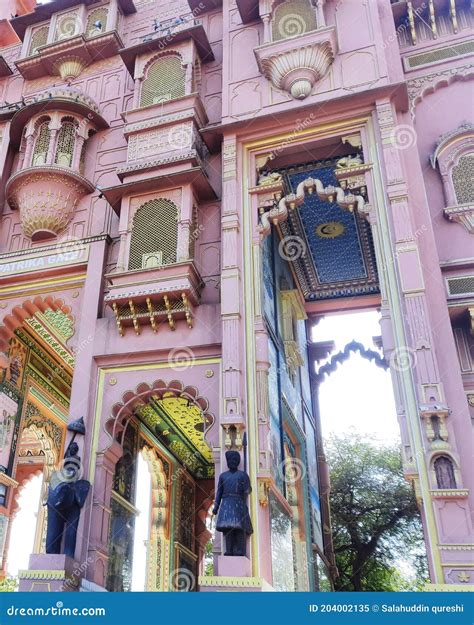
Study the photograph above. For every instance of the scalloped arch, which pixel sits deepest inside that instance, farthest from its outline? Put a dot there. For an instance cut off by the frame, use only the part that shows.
(122, 411)
(160, 54)
(418, 90)
(18, 314)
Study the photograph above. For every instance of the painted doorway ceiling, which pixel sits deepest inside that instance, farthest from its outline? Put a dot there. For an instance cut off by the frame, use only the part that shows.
(179, 425)
(338, 258)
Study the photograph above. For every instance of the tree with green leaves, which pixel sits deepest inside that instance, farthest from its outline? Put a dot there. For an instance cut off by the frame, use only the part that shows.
(8, 584)
(377, 531)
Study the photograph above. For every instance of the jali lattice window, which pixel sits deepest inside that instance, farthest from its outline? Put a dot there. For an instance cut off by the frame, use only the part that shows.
(463, 179)
(165, 81)
(38, 38)
(96, 22)
(65, 144)
(43, 137)
(154, 234)
(292, 18)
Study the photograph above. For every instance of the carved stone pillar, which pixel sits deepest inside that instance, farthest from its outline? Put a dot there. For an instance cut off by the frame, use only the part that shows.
(122, 251)
(188, 78)
(230, 288)
(184, 237)
(97, 555)
(80, 140)
(266, 19)
(26, 161)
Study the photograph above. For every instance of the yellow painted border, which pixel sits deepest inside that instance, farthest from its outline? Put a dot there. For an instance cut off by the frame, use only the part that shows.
(28, 288)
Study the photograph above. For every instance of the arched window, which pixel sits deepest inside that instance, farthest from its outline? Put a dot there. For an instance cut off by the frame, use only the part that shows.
(65, 143)
(154, 235)
(165, 80)
(444, 470)
(96, 22)
(292, 18)
(43, 137)
(463, 179)
(38, 38)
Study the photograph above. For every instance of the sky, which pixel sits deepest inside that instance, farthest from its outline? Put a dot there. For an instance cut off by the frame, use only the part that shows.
(23, 534)
(358, 394)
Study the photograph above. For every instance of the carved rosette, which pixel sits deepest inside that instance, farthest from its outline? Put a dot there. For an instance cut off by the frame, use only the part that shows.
(297, 64)
(46, 198)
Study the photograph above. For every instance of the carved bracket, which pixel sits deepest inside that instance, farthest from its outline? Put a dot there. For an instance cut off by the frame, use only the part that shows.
(462, 214)
(296, 64)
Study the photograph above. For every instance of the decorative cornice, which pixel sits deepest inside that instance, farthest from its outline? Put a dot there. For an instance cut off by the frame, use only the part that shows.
(452, 493)
(457, 547)
(157, 162)
(158, 121)
(417, 86)
(59, 574)
(64, 245)
(152, 290)
(462, 214)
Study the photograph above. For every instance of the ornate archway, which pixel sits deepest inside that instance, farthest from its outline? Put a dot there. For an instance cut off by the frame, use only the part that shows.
(165, 422)
(20, 313)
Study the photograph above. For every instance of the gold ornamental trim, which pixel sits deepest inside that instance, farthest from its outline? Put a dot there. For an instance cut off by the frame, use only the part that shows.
(45, 574)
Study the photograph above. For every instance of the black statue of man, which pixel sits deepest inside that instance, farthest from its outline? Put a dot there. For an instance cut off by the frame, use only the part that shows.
(233, 518)
(66, 496)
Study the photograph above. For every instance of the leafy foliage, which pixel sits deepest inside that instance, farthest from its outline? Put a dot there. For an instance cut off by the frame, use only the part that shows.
(378, 540)
(8, 584)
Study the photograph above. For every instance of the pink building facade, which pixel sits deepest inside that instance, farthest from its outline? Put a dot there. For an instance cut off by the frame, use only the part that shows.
(187, 188)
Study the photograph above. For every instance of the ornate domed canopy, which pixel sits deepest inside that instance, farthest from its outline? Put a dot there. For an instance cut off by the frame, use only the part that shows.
(65, 98)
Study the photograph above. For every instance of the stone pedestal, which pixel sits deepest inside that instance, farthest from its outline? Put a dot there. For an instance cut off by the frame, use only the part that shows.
(234, 574)
(50, 573)
(234, 566)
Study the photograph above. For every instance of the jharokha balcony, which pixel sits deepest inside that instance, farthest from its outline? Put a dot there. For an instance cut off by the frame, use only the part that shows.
(154, 295)
(51, 133)
(298, 49)
(64, 44)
